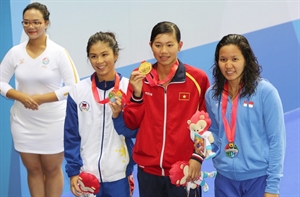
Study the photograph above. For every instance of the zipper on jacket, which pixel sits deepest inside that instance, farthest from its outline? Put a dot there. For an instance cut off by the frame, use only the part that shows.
(164, 131)
(101, 149)
(164, 128)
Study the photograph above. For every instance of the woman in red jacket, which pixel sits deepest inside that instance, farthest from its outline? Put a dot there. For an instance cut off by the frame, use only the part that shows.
(159, 104)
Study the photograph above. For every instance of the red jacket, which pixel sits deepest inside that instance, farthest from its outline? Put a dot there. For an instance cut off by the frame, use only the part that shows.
(161, 116)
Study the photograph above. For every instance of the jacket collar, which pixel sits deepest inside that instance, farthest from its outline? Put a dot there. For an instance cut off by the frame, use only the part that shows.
(106, 85)
(179, 74)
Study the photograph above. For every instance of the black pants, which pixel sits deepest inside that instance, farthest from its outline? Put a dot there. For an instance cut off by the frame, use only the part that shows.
(161, 186)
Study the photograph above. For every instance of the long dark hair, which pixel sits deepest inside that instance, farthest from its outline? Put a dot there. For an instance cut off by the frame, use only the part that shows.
(252, 70)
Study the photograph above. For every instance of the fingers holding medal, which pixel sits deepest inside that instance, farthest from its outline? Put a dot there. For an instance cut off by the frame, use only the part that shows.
(116, 102)
(138, 75)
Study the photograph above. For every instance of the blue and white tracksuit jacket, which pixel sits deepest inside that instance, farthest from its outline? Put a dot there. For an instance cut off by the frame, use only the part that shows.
(94, 142)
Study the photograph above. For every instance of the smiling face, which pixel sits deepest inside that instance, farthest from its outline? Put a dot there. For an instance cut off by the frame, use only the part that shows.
(231, 63)
(103, 60)
(35, 16)
(165, 48)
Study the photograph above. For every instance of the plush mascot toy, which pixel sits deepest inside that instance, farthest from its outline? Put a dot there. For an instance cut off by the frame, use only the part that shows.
(199, 125)
(179, 172)
(88, 183)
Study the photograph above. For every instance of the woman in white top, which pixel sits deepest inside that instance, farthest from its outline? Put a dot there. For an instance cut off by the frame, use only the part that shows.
(44, 74)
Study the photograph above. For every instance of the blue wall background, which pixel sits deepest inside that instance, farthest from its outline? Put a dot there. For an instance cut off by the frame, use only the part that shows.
(276, 47)
(9, 165)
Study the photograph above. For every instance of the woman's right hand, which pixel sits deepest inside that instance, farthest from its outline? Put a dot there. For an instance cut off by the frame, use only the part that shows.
(136, 81)
(29, 102)
(74, 186)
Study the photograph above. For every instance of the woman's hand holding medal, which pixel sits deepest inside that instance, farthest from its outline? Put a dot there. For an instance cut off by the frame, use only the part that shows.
(136, 82)
(137, 76)
(116, 106)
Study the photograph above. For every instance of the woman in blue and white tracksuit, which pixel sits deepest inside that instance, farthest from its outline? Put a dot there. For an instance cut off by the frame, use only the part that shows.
(247, 123)
(96, 139)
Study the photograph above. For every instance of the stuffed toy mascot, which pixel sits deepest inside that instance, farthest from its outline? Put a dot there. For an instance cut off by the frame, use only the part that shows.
(179, 172)
(198, 126)
(88, 183)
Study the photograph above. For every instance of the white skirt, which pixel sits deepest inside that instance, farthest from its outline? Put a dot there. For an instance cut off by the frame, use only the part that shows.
(40, 131)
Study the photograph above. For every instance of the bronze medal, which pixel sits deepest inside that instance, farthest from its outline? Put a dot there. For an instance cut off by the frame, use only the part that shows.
(231, 150)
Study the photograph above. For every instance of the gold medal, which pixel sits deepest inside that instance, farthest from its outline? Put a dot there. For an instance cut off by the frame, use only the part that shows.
(145, 67)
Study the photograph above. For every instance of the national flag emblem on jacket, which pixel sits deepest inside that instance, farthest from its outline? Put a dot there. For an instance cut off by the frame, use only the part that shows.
(184, 96)
(249, 104)
(84, 106)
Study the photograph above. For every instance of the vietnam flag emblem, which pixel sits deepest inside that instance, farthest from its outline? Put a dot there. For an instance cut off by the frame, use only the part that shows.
(184, 96)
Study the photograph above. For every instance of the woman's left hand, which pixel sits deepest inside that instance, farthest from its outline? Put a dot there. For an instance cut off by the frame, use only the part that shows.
(194, 170)
(116, 107)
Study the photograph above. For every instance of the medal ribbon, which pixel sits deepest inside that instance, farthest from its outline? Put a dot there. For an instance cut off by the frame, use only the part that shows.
(153, 81)
(230, 132)
(95, 90)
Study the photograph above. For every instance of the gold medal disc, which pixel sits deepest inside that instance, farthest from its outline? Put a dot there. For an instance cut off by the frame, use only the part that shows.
(145, 68)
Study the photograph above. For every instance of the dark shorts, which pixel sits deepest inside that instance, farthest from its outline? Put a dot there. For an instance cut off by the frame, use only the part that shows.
(120, 188)
(161, 186)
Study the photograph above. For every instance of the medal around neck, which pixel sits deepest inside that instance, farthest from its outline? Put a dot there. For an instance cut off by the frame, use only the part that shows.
(145, 67)
(231, 150)
(114, 93)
